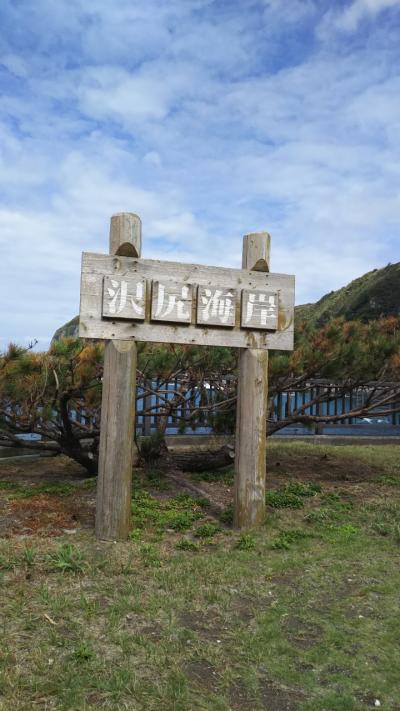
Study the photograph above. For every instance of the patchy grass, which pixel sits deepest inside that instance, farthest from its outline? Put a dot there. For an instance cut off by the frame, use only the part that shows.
(25, 491)
(292, 494)
(226, 516)
(286, 538)
(207, 530)
(283, 500)
(67, 558)
(346, 463)
(225, 476)
(186, 544)
(301, 615)
(177, 514)
(246, 542)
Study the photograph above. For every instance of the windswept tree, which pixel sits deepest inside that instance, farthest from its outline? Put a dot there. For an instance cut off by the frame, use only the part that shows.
(57, 395)
(342, 357)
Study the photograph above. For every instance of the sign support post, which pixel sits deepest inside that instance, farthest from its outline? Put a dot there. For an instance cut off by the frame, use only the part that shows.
(126, 299)
(251, 409)
(117, 451)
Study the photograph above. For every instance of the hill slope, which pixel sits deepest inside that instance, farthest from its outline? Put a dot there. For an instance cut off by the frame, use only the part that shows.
(375, 294)
(69, 329)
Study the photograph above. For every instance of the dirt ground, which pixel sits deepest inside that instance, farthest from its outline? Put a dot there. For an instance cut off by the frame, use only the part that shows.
(24, 512)
(53, 496)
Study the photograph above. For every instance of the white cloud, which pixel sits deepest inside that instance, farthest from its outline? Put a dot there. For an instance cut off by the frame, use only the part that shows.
(209, 120)
(359, 9)
(349, 18)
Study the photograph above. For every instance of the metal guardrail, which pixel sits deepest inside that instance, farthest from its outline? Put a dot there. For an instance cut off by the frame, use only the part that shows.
(335, 402)
(153, 395)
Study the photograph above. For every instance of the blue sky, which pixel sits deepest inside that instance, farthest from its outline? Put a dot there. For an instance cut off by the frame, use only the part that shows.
(209, 119)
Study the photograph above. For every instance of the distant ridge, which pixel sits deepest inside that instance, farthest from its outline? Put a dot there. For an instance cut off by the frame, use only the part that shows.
(369, 297)
(69, 329)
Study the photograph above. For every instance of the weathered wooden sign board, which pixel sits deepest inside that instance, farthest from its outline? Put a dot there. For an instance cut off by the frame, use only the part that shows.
(126, 299)
(147, 300)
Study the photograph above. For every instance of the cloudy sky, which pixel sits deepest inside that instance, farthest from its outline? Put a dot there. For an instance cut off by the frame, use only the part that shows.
(208, 118)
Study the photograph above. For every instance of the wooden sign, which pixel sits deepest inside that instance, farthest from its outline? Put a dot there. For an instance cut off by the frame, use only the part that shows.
(132, 299)
(125, 299)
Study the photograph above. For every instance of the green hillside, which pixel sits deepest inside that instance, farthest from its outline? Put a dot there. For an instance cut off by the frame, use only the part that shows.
(371, 296)
(375, 294)
(69, 329)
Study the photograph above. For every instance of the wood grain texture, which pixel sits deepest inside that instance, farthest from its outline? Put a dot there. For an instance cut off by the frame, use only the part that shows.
(256, 251)
(126, 234)
(124, 298)
(251, 412)
(96, 266)
(171, 301)
(117, 450)
(216, 306)
(250, 441)
(259, 309)
(114, 484)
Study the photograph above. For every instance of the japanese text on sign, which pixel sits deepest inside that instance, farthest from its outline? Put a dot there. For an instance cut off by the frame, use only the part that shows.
(174, 302)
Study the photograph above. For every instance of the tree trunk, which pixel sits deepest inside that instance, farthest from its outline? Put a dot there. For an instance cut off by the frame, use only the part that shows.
(192, 459)
(197, 460)
(87, 459)
(36, 445)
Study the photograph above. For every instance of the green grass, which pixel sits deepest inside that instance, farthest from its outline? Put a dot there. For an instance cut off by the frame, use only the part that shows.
(287, 538)
(207, 530)
(226, 517)
(246, 542)
(177, 514)
(302, 614)
(292, 495)
(67, 558)
(19, 490)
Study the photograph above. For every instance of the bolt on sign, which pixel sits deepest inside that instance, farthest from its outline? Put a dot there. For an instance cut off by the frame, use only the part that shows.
(127, 298)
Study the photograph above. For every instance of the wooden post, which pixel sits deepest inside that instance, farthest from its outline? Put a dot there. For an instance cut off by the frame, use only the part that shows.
(117, 450)
(252, 406)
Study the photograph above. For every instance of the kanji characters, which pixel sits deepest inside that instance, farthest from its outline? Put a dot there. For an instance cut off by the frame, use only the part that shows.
(216, 306)
(259, 309)
(171, 302)
(123, 297)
